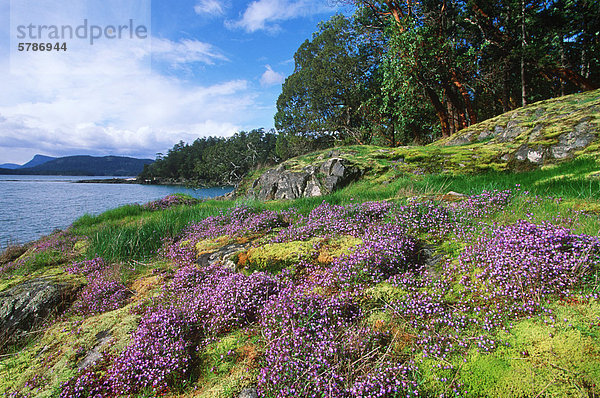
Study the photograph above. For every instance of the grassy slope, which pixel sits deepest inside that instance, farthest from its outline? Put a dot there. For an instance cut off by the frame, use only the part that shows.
(130, 238)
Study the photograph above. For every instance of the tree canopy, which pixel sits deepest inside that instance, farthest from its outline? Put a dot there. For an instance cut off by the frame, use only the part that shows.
(408, 72)
(411, 71)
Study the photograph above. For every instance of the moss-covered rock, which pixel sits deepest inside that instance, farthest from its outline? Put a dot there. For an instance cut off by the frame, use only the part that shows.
(276, 256)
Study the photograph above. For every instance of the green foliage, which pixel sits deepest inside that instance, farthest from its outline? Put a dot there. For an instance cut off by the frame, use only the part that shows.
(227, 365)
(402, 72)
(215, 161)
(88, 220)
(274, 257)
(323, 99)
(51, 358)
(559, 358)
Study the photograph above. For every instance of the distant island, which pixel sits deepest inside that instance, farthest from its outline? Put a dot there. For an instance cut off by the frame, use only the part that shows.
(82, 165)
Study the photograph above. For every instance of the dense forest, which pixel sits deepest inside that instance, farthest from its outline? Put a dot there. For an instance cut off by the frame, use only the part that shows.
(409, 72)
(215, 161)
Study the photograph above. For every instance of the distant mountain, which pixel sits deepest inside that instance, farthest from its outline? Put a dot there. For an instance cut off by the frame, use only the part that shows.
(10, 166)
(84, 166)
(36, 161)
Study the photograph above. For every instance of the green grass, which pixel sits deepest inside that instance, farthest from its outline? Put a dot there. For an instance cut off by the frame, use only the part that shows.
(118, 213)
(567, 180)
(139, 235)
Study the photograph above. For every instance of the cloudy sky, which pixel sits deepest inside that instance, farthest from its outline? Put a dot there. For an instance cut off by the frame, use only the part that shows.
(205, 67)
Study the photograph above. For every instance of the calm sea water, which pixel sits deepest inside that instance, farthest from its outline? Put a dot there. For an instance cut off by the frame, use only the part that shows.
(34, 206)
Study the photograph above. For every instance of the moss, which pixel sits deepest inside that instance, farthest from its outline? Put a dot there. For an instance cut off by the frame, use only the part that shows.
(227, 366)
(556, 360)
(333, 248)
(54, 273)
(209, 245)
(81, 246)
(385, 292)
(276, 256)
(53, 357)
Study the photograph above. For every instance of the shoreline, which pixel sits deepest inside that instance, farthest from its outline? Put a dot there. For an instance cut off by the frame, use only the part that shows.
(158, 182)
(109, 181)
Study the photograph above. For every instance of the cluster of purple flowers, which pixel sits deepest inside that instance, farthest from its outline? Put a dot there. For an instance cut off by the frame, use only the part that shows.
(196, 306)
(315, 348)
(170, 201)
(504, 276)
(486, 203)
(236, 223)
(329, 220)
(60, 243)
(103, 291)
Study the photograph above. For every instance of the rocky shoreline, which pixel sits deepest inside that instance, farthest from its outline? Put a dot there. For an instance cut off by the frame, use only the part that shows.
(137, 180)
(110, 181)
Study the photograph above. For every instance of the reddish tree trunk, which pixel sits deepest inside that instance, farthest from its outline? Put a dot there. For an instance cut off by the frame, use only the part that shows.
(441, 113)
(573, 77)
(466, 98)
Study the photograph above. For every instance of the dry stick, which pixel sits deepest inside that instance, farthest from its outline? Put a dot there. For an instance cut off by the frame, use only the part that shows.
(544, 389)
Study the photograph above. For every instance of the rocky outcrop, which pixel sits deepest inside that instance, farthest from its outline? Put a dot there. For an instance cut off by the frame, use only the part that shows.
(312, 180)
(30, 303)
(541, 133)
(223, 255)
(94, 355)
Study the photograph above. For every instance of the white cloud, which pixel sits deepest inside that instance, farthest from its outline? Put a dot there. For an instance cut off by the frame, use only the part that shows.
(270, 77)
(264, 14)
(103, 99)
(185, 51)
(210, 7)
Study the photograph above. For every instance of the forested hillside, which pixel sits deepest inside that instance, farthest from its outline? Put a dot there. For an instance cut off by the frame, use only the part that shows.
(214, 161)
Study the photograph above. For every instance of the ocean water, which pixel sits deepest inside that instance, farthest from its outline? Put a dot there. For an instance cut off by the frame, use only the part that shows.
(34, 206)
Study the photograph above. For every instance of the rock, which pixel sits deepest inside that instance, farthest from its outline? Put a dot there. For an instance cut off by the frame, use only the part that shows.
(312, 180)
(572, 141)
(536, 133)
(249, 392)
(223, 255)
(531, 155)
(94, 355)
(28, 304)
(485, 135)
(452, 196)
(512, 131)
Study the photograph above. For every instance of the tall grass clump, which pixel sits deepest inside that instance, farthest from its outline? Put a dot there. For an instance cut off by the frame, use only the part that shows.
(569, 180)
(141, 237)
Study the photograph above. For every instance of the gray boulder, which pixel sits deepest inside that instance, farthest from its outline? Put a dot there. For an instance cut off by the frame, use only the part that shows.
(224, 255)
(27, 304)
(249, 392)
(312, 180)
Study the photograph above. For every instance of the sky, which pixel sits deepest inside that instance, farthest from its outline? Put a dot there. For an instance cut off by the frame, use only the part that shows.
(138, 76)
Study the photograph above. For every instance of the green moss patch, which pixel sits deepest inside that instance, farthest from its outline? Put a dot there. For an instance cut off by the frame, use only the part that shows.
(51, 359)
(276, 256)
(553, 359)
(227, 366)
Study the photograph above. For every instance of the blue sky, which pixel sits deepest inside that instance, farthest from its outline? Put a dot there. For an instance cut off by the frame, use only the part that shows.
(206, 67)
